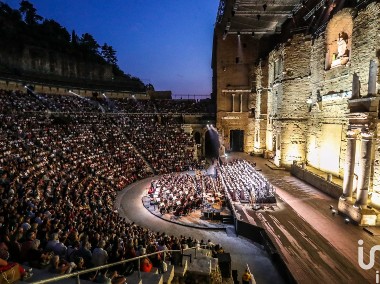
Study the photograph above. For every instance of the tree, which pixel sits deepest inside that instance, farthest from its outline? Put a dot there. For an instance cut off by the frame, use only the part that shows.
(30, 13)
(74, 38)
(108, 54)
(88, 42)
(58, 34)
(9, 18)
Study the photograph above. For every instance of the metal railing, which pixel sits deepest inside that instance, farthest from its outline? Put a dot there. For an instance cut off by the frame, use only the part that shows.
(106, 266)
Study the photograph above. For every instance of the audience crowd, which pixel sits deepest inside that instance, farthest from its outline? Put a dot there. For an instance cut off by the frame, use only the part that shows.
(60, 173)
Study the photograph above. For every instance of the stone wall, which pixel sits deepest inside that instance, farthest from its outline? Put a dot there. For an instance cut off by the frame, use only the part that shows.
(322, 184)
(48, 89)
(289, 76)
(261, 106)
(233, 68)
(366, 43)
(33, 60)
(312, 98)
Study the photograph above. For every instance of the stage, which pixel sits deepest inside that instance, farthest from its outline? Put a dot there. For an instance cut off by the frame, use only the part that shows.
(316, 245)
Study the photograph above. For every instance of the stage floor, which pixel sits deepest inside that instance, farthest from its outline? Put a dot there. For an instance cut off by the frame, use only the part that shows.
(317, 246)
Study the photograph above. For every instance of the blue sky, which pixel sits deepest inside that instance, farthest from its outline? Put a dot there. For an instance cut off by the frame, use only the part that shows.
(167, 43)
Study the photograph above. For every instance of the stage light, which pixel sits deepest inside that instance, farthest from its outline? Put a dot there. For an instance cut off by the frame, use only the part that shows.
(253, 34)
(238, 33)
(258, 17)
(347, 220)
(265, 7)
(333, 212)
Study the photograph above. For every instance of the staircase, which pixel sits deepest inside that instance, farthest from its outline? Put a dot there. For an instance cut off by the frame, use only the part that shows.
(196, 267)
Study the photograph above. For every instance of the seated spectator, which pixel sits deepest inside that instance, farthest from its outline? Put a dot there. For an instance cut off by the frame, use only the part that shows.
(5, 265)
(99, 255)
(145, 263)
(55, 245)
(60, 266)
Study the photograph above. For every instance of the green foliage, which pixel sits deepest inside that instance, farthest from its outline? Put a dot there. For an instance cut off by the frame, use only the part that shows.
(30, 13)
(109, 54)
(89, 44)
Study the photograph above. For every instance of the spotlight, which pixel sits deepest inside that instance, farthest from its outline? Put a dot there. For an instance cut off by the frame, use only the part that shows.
(258, 17)
(326, 4)
(25, 86)
(253, 34)
(333, 212)
(265, 6)
(238, 33)
(347, 220)
(303, 3)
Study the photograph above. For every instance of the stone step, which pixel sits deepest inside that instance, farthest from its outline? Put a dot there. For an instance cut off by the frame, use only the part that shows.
(42, 274)
(168, 275)
(180, 270)
(146, 278)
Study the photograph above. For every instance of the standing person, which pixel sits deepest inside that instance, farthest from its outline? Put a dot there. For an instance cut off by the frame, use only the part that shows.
(247, 277)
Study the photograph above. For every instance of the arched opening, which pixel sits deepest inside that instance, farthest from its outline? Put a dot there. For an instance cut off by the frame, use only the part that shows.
(212, 144)
(197, 137)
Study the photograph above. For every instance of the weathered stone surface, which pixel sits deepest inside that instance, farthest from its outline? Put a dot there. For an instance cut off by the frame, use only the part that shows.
(301, 94)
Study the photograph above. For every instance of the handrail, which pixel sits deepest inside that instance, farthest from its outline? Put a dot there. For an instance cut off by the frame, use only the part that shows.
(78, 273)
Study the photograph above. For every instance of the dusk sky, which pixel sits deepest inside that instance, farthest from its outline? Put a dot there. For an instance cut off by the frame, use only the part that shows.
(167, 43)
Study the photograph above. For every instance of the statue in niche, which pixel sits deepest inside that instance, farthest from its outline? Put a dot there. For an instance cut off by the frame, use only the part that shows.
(341, 57)
(342, 45)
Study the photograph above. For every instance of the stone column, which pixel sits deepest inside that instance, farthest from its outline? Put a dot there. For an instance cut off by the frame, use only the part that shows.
(241, 102)
(348, 178)
(365, 169)
(372, 78)
(233, 102)
(355, 86)
(258, 104)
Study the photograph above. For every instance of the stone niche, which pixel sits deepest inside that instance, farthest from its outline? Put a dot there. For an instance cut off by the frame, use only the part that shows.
(339, 39)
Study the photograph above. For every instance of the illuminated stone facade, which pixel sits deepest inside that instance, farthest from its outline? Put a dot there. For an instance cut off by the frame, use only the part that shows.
(307, 93)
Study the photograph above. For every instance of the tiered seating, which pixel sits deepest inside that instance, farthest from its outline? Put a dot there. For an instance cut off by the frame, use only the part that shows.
(184, 106)
(59, 176)
(163, 143)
